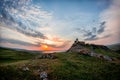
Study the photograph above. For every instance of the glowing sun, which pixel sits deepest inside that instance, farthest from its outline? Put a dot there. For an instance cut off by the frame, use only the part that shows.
(45, 47)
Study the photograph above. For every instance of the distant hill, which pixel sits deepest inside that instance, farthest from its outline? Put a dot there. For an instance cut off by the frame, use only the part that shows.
(24, 50)
(10, 55)
(115, 47)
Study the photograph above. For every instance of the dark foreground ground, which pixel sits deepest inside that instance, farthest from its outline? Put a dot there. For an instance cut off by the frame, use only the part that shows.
(65, 66)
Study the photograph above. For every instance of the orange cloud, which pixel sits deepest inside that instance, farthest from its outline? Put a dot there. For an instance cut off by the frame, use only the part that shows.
(45, 47)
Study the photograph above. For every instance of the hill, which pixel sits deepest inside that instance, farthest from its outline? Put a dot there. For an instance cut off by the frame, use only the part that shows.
(99, 51)
(65, 66)
(115, 47)
(10, 55)
(78, 45)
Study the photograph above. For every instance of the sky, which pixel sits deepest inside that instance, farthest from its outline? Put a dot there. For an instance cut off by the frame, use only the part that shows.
(55, 24)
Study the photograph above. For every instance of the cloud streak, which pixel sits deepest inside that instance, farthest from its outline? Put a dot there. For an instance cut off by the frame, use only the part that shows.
(13, 41)
(63, 45)
(112, 16)
(101, 28)
(93, 34)
(21, 16)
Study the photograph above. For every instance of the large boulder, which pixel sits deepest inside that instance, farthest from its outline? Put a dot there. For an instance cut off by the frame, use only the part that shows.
(84, 51)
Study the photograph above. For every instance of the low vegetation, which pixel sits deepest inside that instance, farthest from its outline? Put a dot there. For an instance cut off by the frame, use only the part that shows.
(9, 55)
(66, 66)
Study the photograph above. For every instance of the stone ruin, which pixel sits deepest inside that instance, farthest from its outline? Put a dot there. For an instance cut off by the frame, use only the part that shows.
(82, 48)
(77, 46)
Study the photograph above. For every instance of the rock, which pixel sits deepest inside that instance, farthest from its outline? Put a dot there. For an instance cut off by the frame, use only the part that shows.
(100, 56)
(85, 51)
(107, 58)
(43, 75)
(48, 56)
(92, 54)
(25, 69)
(114, 59)
(45, 79)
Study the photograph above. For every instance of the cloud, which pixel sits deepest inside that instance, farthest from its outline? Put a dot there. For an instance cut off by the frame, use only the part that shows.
(94, 29)
(112, 17)
(101, 28)
(88, 33)
(63, 45)
(24, 17)
(13, 41)
(93, 34)
(37, 24)
(92, 37)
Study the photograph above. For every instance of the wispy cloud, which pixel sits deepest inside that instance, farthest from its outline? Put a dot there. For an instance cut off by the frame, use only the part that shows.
(92, 37)
(63, 45)
(101, 28)
(21, 16)
(13, 41)
(94, 29)
(108, 31)
(94, 33)
(112, 17)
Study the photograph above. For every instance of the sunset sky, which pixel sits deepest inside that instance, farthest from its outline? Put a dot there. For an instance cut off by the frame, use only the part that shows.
(55, 24)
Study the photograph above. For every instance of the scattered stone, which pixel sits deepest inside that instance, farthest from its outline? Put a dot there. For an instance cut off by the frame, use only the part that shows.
(92, 54)
(114, 59)
(45, 79)
(107, 58)
(25, 69)
(47, 56)
(100, 56)
(43, 75)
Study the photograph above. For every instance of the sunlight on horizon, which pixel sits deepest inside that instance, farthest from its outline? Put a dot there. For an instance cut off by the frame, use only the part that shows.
(55, 24)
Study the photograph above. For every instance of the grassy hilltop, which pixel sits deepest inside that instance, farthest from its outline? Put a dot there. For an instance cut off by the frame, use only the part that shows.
(10, 55)
(66, 66)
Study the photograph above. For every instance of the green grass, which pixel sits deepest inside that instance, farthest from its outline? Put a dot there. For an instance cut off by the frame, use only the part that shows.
(80, 67)
(13, 73)
(109, 53)
(9, 55)
(67, 66)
